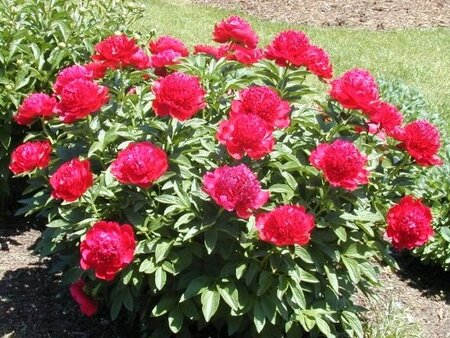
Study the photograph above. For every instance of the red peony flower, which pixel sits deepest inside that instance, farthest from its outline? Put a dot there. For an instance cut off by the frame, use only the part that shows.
(115, 51)
(235, 188)
(69, 74)
(387, 117)
(246, 134)
(409, 223)
(98, 69)
(244, 55)
(140, 60)
(237, 30)
(81, 98)
(140, 163)
(88, 305)
(165, 43)
(318, 62)
(107, 249)
(285, 225)
(356, 89)
(422, 141)
(215, 52)
(178, 95)
(166, 58)
(288, 48)
(264, 102)
(35, 106)
(341, 163)
(29, 156)
(71, 180)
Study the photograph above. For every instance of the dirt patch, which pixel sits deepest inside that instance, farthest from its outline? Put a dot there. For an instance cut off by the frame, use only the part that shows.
(372, 14)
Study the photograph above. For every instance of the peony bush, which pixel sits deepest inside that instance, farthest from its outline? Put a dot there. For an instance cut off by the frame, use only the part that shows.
(207, 195)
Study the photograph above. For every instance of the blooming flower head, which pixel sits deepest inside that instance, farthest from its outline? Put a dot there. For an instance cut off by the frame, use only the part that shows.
(70, 74)
(141, 163)
(288, 48)
(342, 164)
(285, 225)
(29, 156)
(88, 305)
(355, 89)
(235, 188)
(35, 106)
(318, 62)
(164, 43)
(97, 69)
(264, 102)
(246, 134)
(115, 51)
(409, 223)
(107, 249)
(81, 98)
(387, 116)
(140, 60)
(165, 58)
(422, 141)
(71, 180)
(178, 95)
(237, 30)
(244, 55)
(215, 52)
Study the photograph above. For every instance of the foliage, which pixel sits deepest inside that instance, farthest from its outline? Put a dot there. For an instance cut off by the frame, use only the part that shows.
(197, 266)
(37, 39)
(432, 184)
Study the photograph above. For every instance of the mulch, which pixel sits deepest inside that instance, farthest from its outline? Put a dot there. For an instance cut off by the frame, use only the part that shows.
(369, 14)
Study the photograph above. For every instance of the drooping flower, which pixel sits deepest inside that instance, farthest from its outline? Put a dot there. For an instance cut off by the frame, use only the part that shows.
(81, 98)
(165, 43)
(342, 164)
(409, 223)
(107, 249)
(237, 30)
(355, 89)
(88, 305)
(288, 48)
(387, 117)
(422, 141)
(37, 105)
(29, 156)
(235, 189)
(246, 134)
(69, 74)
(215, 52)
(178, 95)
(71, 180)
(285, 225)
(115, 51)
(264, 102)
(244, 55)
(141, 163)
(318, 62)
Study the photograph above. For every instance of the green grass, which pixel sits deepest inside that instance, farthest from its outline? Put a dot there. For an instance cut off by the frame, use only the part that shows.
(420, 58)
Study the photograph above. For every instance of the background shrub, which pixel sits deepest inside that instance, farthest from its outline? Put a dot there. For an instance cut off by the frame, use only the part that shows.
(37, 39)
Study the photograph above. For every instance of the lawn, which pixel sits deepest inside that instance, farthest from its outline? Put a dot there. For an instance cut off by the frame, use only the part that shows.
(419, 57)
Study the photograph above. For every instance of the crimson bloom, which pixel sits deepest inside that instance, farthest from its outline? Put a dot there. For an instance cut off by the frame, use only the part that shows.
(107, 249)
(285, 225)
(422, 141)
(264, 102)
(140, 163)
(409, 223)
(97, 69)
(246, 134)
(215, 52)
(318, 62)
(35, 106)
(115, 51)
(355, 89)
(178, 95)
(81, 98)
(29, 156)
(237, 30)
(342, 164)
(288, 48)
(88, 305)
(71, 180)
(235, 188)
(69, 74)
(244, 55)
(167, 42)
(387, 117)
(165, 58)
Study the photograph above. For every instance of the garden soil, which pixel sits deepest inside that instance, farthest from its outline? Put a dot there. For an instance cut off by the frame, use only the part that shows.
(370, 14)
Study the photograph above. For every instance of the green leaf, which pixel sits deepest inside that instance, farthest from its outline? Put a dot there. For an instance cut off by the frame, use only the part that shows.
(165, 304)
(229, 295)
(196, 286)
(259, 316)
(160, 278)
(332, 278)
(352, 268)
(445, 233)
(210, 303)
(297, 294)
(264, 282)
(175, 319)
(162, 250)
(210, 240)
(352, 325)
(323, 327)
